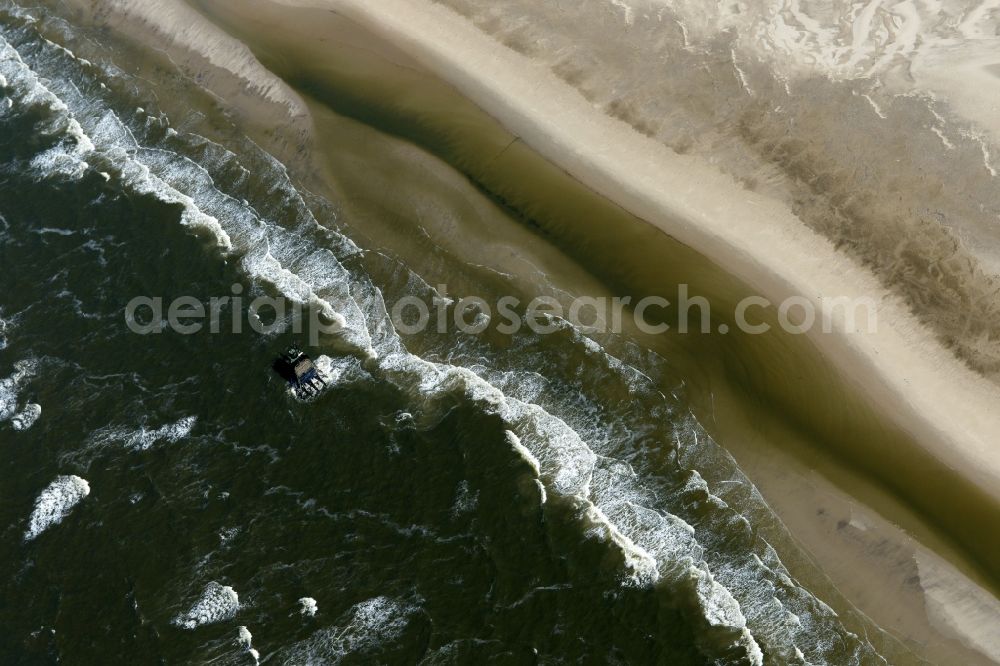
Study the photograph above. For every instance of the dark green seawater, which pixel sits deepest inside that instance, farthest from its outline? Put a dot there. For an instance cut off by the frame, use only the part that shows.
(450, 499)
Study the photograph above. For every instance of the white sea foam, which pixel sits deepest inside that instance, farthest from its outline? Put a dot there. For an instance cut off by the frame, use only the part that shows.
(283, 259)
(217, 604)
(139, 176)
(562, 460)
(308, 607)
(466, 500)
(60, 162)
(271, 255)
(8, 398)
(245, 639)
(370, 624)
(335, 370)
(142, 438)
(65, 160)
(26, 417)
(55, 503)
(528, 457)
(648, 541)
(112, 139)
(10, 388)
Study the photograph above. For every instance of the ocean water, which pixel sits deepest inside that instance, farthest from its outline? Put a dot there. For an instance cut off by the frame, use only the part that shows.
(450, 499)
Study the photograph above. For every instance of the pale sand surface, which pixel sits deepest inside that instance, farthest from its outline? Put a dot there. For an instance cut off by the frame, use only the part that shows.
(814, 105)
(699, 219)
(918, 384)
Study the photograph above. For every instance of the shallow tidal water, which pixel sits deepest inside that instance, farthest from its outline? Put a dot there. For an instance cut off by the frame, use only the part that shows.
(450, 499)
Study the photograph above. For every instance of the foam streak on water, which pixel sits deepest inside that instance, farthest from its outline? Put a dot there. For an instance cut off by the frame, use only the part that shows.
(54, 504)
(216, 604)
(368, 624)
(142, 438)
(10, 388)
(245, 639)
